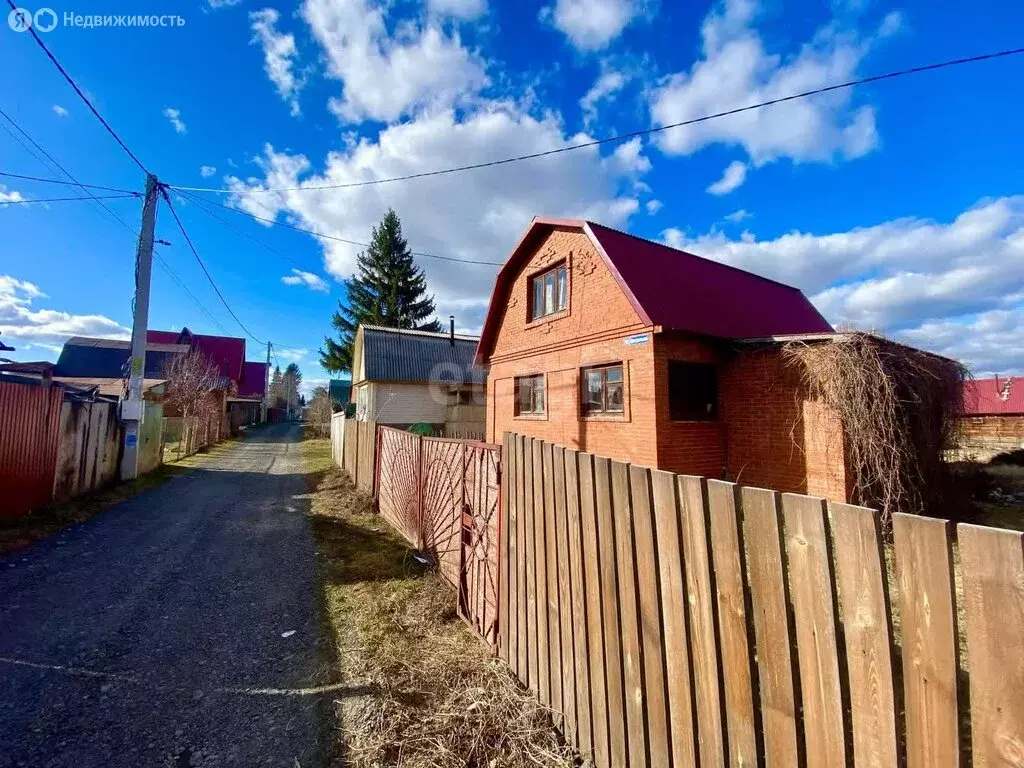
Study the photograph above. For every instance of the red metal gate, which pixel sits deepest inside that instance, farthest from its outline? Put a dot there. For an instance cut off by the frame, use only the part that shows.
(443, 495)
(29, 433)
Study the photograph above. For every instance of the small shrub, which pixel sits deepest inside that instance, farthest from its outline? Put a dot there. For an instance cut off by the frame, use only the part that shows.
(1014, 458)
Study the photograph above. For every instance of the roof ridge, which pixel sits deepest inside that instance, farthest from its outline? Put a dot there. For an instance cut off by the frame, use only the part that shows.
(415, 332)
(695, 255)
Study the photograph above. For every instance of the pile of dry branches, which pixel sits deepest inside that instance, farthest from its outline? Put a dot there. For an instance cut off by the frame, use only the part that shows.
(898, 408)
(438, 698)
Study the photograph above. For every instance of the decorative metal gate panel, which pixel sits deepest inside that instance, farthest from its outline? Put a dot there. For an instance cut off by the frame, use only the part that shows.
(443, 496)
(398, 482)
(481, 520)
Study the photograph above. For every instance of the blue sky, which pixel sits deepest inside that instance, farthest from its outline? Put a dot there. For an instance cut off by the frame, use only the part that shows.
(897, 207)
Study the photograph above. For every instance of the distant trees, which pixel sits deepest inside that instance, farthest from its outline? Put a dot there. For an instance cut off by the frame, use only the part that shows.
(388, 289)
(319, 412)
(284, 387)
(192, 380)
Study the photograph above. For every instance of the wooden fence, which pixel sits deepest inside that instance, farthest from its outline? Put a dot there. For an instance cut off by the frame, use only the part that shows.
(673, 620)
(358, 449)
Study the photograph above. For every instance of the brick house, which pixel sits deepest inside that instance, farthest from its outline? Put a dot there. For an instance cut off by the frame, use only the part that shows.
(629, 349)
(993, 415)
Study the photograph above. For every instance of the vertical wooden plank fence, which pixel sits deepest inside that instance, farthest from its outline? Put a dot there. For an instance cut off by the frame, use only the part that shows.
(676, 621)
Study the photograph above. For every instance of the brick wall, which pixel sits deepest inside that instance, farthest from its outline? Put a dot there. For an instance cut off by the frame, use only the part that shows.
(590, 332)
(777, 437)
(1004, 428)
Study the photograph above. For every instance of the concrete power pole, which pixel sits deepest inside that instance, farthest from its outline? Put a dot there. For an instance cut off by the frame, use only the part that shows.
(266, 389)
(132, 408)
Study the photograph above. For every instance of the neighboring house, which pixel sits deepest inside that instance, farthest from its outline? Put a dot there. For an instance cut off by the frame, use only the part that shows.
(404, 377)
(226, 352)
(246, 405)
(993, 414)
(629, 349)
(340, 391)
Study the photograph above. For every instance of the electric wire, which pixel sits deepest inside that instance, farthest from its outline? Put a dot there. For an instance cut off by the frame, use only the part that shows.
(323, 236)
(195, 253)
(135, 195)
(57, 181)
(81, 95)
(632, 134)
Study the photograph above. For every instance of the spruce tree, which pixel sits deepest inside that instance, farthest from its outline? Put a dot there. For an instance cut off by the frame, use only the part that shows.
(388, 289)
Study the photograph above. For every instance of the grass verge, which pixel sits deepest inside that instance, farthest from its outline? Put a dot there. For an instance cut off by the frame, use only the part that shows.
(431, 694)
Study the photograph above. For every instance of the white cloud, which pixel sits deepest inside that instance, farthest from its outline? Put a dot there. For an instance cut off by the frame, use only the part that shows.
(217, 4)
(653, 206)
(991, 341)
(206, 171)
(59, 111)
(308, 279)
(733, 177)
(291, 354)
(20, 325)
(604, 89)
(591, 24)
(385, 77)
(280, 55)
(8, 195)
(482, 212)
(891, 24)
(915, 279)
(737, 216)
(464, 10)
(736, 70)
(174, 115)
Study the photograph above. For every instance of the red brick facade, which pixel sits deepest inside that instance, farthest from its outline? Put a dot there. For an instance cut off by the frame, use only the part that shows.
(767, 433)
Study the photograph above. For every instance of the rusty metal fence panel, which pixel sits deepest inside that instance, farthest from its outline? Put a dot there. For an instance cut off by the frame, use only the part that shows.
(444, 490)
(29, 421)
(481, 519)
(398, 485)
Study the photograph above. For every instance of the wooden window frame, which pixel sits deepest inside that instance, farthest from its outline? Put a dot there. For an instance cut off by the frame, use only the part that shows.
(531, 318)
(715, 416)
(604, 415)
(529, 415)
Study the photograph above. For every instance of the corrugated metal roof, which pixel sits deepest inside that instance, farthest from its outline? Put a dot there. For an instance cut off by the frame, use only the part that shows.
(391, 354)
(1000, 395)
(672, 289)
(108, 359)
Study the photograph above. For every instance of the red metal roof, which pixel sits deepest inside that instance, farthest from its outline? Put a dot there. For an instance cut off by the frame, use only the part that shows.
(227, 352)
(995, 396)
(673, 289)
(254, 380)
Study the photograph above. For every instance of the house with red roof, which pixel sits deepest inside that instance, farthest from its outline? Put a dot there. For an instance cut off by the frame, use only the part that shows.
(993, 414)
(629, 349)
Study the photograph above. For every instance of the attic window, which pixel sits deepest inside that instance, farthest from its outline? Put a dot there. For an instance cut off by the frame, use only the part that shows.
(692, 391)
(549, 292)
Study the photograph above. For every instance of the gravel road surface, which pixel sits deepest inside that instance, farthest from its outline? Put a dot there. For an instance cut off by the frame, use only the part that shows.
(154, 634)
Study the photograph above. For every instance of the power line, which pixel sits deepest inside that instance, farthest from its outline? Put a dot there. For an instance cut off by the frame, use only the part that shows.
(111, 131)
(323, 236)
(68, 199)
(60, 181)
(198, 202)
(195, 253)
(181, 284)
(632, 134)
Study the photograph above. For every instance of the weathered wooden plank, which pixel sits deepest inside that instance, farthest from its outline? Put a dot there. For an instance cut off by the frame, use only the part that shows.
(992, 564)
(523, 542)
(563, 630)
(864, 607)
(613, 654)
(629, 616)
(736, 656)
(579, 620)
(553, 660)
(814, 619)
(594, 586)
(540, 671)
(645, 547)
(504, 551)
(673, 610)
(771, 625)
(928, 634)
(700, 590)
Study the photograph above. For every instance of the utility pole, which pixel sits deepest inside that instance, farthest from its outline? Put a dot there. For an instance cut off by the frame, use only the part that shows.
(266, 388)
(132, 407)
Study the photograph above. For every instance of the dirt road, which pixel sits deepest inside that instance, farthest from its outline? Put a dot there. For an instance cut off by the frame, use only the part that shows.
(154, 634)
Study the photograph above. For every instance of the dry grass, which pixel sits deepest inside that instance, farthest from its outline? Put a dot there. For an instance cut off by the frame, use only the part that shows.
(434, 696)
